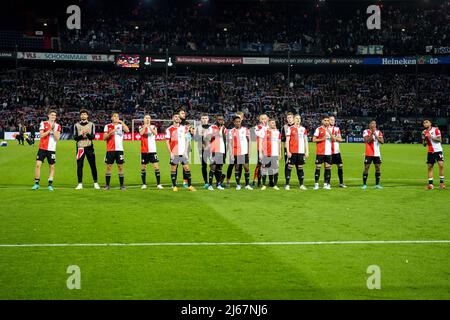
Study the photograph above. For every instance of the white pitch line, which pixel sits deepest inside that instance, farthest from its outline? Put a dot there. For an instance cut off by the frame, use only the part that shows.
(193, 244)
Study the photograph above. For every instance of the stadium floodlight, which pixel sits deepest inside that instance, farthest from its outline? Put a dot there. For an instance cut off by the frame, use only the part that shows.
(169, 63)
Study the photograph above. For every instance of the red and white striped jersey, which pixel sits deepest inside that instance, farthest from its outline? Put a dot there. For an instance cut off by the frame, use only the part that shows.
(239, 141)
(177, 137)
(259, 132)
(148, 140)
(271, 141)
(49, 141)
(373, 147)
(335, 145)
(323, 148)
(297, 136)
(217, 138)
(115, 141)
(432, 145)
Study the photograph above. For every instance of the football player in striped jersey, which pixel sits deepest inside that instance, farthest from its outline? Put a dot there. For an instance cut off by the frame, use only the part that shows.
(432, 138)
(297, 150)
(50, 133)
(114, 148)
(148, 134)
(373, 138)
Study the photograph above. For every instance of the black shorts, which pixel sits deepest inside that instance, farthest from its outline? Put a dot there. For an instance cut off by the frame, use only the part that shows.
(434, 157)
(149, 157)
(217, 158)
(323, 159)
(270, 162)
(179, 159)
(114, 156)
(336, 158)
(45, 154)
(297, 159)
(375, 160)
(242, 159)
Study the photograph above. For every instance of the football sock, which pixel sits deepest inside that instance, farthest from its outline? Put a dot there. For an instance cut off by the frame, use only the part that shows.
(173, 177)
(317, 176)
(121, 178)
(50, 182)
(158, 176)
(327, 176)
(270, 180)
(108, 178)
(247, 178)
(188, 178)
(441, 179)
(259, 175)
(237, 175)
(143, 176)
(204, 172)
(256, 173)
(275, 178)
(211, 176)
(230, 171)
(365, 175)
(430, 181)
(300, 175)
(341, 175)
(36, 181)
(288, 174)
(377, 177)
(218, 174)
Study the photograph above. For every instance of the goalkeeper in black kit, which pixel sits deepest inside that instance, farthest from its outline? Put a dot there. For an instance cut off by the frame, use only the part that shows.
(84, 134)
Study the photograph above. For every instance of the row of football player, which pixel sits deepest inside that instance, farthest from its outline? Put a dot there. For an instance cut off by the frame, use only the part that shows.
(215, 140)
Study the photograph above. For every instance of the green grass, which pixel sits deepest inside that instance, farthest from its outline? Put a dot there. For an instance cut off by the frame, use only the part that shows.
(404, 210)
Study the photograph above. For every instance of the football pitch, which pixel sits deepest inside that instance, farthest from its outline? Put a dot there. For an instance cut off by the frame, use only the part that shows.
(157, 244)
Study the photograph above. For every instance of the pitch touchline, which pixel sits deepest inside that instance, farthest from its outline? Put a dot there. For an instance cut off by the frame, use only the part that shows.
(164, 244)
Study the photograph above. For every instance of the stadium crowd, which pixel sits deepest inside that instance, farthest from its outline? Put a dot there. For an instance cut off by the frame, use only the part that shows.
(352, 98)
(322, 28)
